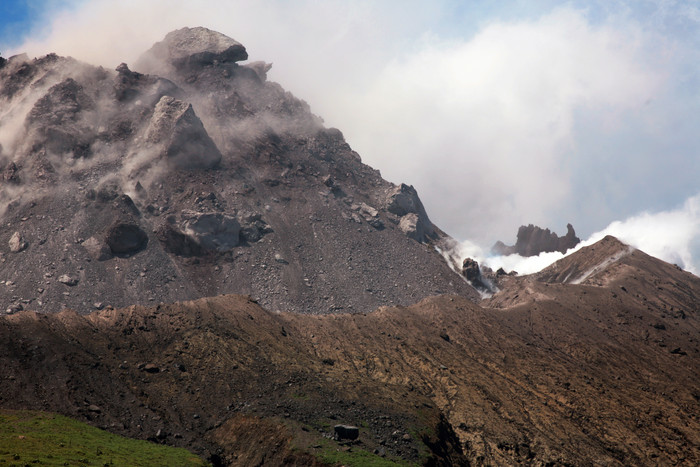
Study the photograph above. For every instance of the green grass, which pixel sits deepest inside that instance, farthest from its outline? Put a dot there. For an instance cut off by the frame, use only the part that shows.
(356, 457)
(300, 396)
(39, 438)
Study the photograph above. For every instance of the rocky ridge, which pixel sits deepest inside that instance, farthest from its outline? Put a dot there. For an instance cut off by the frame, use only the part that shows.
(533, 240)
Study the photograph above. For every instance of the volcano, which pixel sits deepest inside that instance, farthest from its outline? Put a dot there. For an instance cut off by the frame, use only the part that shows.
(197, 179)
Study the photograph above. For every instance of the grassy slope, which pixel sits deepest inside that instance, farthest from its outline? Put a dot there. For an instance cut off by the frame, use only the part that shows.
(28, 437)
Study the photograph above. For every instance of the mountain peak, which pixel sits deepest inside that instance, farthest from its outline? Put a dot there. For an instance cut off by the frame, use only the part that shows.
(579, 266)
(194, 176)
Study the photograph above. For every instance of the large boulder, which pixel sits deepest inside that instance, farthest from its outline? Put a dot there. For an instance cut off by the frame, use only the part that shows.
(98, 249)
(371, 216)
(190, 47)
(130, 85)
(253, 227)
(343, 432)
(17, 243)
(470, 270)
(213, 231)
(124, 238)
(177, 242)
(411, 225)
(185, 142)
(403, 199)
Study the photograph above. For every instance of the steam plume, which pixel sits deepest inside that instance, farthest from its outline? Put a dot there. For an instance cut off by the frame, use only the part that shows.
(673, 236)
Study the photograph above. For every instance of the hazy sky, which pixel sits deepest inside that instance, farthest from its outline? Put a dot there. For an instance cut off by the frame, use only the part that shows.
(499, 113)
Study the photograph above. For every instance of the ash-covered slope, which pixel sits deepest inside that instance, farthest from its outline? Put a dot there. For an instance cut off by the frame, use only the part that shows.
(601, 373)
(196, 179)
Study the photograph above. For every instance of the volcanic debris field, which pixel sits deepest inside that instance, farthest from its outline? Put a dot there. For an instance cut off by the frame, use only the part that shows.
(190, 257)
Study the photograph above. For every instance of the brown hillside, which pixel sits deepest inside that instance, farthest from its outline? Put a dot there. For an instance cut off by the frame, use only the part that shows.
(566, 375)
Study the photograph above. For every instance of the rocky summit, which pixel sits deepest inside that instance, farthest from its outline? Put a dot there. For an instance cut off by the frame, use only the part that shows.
(191, 176)
(188, 256)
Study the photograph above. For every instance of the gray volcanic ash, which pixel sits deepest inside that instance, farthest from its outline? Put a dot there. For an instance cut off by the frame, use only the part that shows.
(196, 179)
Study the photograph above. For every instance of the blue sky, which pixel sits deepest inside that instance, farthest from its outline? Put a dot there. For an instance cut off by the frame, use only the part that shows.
(14, 20)
(499, 113)
(19, 18)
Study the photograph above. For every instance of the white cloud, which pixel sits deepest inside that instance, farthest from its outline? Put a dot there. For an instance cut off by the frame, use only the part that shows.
(485, 127)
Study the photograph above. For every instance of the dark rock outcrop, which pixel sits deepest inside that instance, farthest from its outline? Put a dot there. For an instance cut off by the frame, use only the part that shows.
(125, 238)
(348, 432)
(403, 201)
(213, 231)
(533, 240)
(470, 269)
(473, 273)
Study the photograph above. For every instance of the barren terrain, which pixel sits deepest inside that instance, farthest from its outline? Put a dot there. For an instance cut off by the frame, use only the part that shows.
(189, 256)
(599, 373)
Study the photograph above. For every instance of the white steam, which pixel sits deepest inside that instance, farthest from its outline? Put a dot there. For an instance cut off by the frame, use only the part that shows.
(671, 236)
